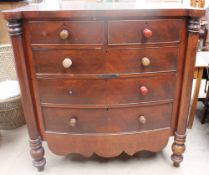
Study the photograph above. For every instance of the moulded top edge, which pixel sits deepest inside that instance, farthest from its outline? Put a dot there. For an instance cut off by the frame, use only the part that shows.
(102, 9)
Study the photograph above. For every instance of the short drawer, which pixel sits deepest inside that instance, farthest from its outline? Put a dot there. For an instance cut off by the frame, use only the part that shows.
(144, 31)
(91, 61)
(107, 91)
(67, 32)
(113, 120)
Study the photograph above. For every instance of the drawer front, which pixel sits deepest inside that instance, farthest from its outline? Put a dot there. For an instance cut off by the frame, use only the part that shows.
(111, 91)
(73, 91)
(144, 31)
(138, 90)
(65, 32)
(109, 61)
(82, 61)
(113, 120)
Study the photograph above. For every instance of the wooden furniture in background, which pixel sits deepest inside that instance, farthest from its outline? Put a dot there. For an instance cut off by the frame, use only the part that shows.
(201, 64)
(198, 3)
(206, 100)
(116, 77)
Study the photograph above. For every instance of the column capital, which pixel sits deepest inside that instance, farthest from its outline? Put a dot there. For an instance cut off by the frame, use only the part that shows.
(194, 25)
(15, 27)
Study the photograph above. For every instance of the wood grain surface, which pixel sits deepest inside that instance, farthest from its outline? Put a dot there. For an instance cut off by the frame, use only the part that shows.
(108, 101)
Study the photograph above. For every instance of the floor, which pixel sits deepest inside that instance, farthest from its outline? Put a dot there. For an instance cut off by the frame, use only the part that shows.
(15, 158)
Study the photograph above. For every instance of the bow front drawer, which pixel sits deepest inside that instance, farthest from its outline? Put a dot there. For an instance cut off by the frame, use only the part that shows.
(91, 61)
(66, 32)
(126, 32)
(107, 91)
(113, 120)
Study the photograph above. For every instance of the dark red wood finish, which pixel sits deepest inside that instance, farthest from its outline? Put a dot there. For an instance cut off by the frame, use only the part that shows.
(126, 83)
(112, 144)
(144, 31)
(109, 61)
(106, 91)
(80, 32)
(110, 120)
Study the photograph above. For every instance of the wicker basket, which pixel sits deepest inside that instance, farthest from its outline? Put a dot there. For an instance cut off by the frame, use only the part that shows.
(11, 113)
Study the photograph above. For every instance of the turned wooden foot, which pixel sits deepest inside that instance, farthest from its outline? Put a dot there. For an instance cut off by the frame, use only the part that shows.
(37, 153)
(178, 149)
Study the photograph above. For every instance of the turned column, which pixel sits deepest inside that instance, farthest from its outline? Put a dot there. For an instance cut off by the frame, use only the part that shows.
(178, 146)
(16, 33)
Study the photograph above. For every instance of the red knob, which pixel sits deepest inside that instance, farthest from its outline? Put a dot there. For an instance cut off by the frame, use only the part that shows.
(147, 33)
(143, 90)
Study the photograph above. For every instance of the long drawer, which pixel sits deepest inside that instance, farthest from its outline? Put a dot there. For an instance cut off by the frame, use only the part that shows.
(91, 61)
(107, 91)
(127, 32)
(113, 120)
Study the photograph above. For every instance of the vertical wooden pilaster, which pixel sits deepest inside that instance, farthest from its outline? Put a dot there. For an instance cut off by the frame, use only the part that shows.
(37, 152)
(178, 146)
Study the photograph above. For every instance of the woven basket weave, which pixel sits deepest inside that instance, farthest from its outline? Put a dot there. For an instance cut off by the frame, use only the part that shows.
(11, 113)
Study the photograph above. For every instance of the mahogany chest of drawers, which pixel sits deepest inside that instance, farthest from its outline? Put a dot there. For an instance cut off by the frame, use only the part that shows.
(114, 77)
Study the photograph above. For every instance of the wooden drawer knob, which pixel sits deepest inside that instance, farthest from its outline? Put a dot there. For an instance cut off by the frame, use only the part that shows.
(147, 33)
(142, 119)
(145, 61)
(143, 90)
(64, 34)
(67, 63)
(73, 122)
